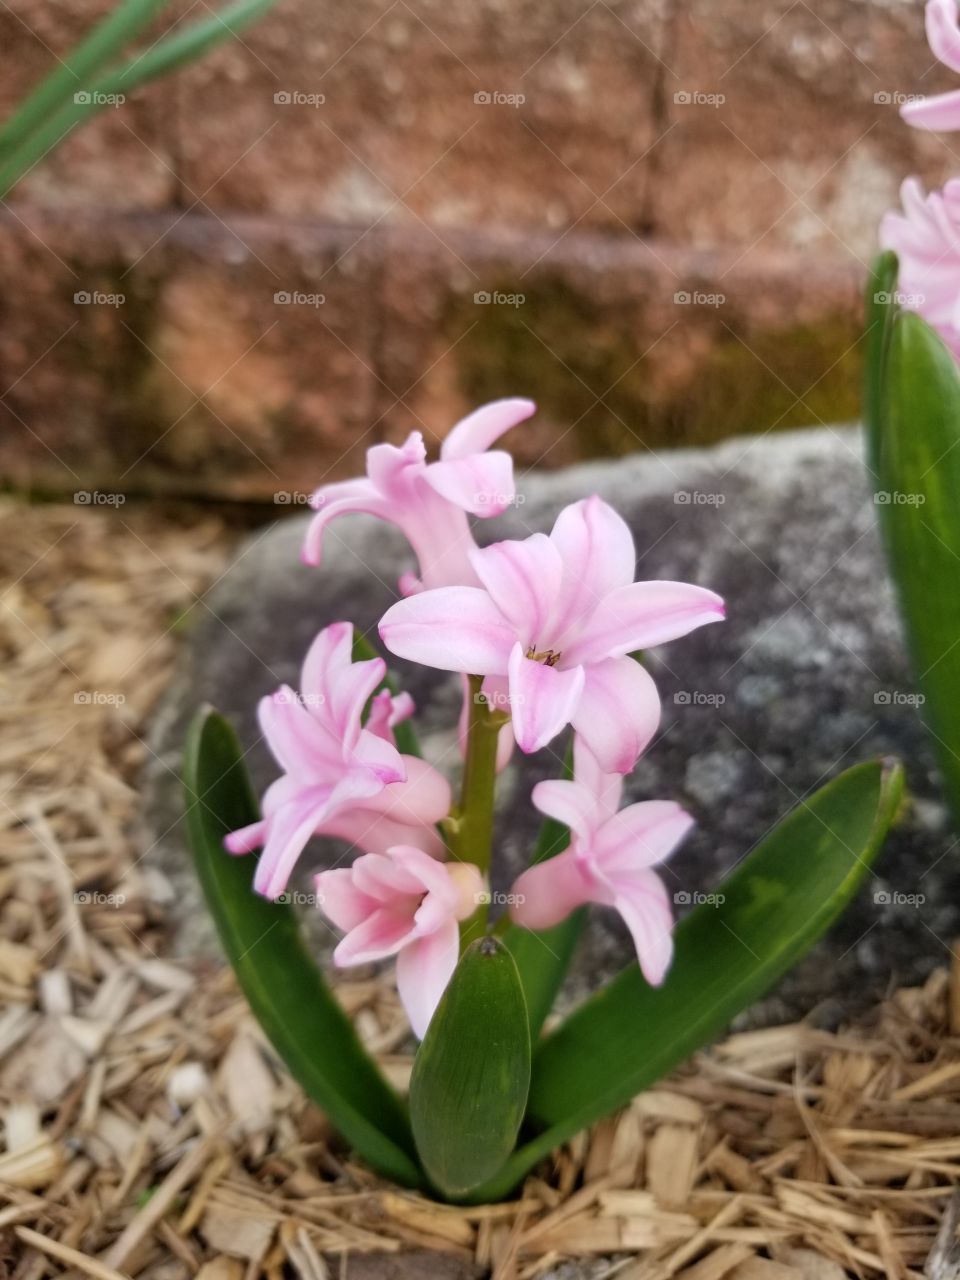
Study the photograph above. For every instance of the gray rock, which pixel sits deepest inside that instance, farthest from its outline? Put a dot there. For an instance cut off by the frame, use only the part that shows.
(806, 677)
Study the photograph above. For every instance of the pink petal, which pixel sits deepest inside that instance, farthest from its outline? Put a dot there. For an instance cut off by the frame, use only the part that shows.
(340, 900)
(287, 833)
(940, 113)
(451, 628)
(424, 798)
(547, 893)
(643, 614)
(542, 699)
(432, 875)
(645, 908)
(638, 837)
(571, 803)
(335, 688)
(380, 756)
(379, 936)
(298, 741)
(424, 967)
(246, 839)
(391, 469)
(597, 552)
(479, 430)
(481, 484)
(370, 831)
(618, 713)
(349, 498)
(943, 32)
(523, 579)
(385, 879)
(606, 788)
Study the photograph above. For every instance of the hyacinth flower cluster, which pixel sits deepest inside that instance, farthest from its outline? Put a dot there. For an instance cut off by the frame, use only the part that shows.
(542, 631)
(925, 235)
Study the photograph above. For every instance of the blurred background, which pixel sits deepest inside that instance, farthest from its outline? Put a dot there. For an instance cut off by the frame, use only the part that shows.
(352, 220)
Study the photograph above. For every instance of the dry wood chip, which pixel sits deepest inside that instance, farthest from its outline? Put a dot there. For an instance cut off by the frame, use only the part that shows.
(672, 1157)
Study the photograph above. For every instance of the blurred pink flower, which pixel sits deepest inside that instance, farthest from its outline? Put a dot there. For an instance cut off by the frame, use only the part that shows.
(941, 112)
(403, 903)
(430, 501)
(557, 616)
(609, 861)
(926, 240)
(339, 778)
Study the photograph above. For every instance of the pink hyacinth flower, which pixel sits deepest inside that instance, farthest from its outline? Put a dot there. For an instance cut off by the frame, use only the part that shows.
(340, 778)
(557, 616)
(941, 112)
(926, 240)
(403, 903)
(430, 501)
(609, 861)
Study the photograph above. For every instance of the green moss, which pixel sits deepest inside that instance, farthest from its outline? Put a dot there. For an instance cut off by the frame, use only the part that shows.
(579, 361)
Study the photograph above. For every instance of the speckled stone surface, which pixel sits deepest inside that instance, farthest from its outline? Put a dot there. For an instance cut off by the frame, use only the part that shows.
(806, 677)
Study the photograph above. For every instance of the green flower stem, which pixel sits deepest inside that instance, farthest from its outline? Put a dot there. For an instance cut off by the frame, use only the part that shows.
(472, 831)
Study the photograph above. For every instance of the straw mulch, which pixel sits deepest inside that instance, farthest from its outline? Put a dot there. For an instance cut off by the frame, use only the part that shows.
(148, 1131)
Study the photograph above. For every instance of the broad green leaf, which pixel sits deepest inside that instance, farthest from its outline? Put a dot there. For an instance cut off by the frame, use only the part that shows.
(75, 72)
(919, 505)
(880, 309)
(167, 55)
(775, 905)
(472, 1072)
(543, 958)
(262, 941)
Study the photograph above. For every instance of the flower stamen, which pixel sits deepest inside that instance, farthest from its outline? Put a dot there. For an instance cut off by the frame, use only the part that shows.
(549, 657)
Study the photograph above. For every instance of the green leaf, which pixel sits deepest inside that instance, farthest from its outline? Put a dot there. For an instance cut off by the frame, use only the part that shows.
(880, 308)
(920, 482)
(77, 69)
(286, 992)
(63, 115)
(472, 1073)
(776, 904)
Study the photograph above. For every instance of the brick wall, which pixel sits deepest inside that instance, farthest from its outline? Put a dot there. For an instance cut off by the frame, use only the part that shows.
(670, 207)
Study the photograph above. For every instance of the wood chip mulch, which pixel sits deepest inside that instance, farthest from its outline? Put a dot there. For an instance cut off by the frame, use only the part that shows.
(148, 1131)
